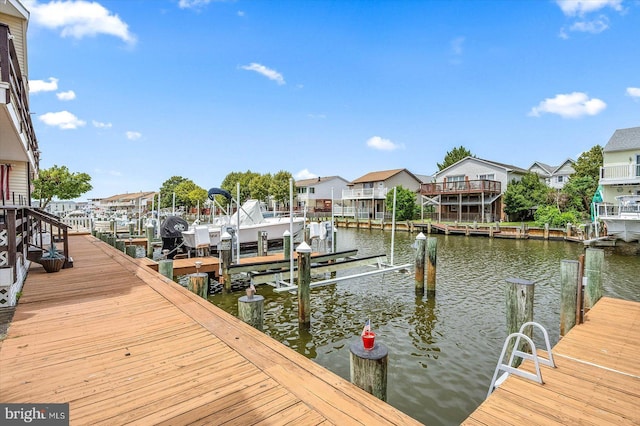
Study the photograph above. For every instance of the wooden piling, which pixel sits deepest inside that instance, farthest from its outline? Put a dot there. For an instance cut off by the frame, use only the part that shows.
(226, 254)
(368, 368)
(519, 308)
(131, 250)
(466, 230)
(569, 286)
(286, 245)
(120, 245)
(304, 282)
(432, 250)
(429, 228)
(199, 284)
(421, 245)
(546, 231)
(490, 231)
(593, 263)
(263, 243)
(165, 267)
(149, 235)
(251, 310)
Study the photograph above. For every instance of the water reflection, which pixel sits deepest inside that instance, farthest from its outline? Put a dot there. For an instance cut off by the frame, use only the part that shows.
(442, 350)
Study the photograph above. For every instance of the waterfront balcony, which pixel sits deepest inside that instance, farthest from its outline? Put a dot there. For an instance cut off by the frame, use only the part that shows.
(365, 194)
(18, 137)
(488, 187)
(620, 174)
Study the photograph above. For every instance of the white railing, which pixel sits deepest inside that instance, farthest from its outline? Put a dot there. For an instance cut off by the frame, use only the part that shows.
(629, 171)
(78, 223)
(605, 210)
(364, 193)
(356, 213)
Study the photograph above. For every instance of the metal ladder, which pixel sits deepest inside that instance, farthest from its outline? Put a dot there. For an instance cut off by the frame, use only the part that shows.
(537, 360)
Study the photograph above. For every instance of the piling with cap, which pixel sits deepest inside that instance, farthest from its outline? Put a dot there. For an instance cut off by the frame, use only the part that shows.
(226, 258)
(368, 368)
(131, 250)
(286, 244)
(432, 250)
(304, 282)
(149, 235)
(421, 245)
(263, 243)
(165, 266)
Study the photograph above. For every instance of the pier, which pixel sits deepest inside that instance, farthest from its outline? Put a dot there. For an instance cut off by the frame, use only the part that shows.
(596, 379)
(123, 344)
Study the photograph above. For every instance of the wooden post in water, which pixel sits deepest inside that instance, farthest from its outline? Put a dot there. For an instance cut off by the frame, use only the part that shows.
(429, 228)
(593, 263)
(432, 250)
(165, 267)
(519, 308)
(149, 235)
(226, 254)
(490, 231)
(304, 281)
(569, 287)
(131, 250)
(286, 245)
(251, 309)
(368, 368)
(421, 246)
(263, 243)
(120, 245)
(546, 231)
(199, 284)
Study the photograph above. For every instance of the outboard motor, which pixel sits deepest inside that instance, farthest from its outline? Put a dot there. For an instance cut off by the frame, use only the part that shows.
(171, 234)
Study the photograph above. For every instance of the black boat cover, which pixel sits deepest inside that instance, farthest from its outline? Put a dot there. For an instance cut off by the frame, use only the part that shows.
(173, 226)
(217, 191)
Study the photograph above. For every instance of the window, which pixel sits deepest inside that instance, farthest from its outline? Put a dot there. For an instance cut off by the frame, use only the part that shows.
(490, 176)
(560, 179)
(367, 185)
(312, 190)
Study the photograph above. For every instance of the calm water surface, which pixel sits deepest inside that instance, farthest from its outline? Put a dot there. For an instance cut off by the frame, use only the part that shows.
(442, 351)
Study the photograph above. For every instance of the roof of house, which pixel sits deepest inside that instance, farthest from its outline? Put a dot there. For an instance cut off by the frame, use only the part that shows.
(381, 176)
(309, 182)
(623, 140)
(127, 197)
(551, 169)
(507, 167)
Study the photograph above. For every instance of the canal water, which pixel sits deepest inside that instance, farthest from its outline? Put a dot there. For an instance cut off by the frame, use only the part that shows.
(442, 350)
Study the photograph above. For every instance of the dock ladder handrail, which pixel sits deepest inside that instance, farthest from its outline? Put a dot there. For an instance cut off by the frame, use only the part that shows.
(537, 360)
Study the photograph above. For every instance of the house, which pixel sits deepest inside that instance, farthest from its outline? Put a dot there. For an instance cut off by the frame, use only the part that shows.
(22, 227)
(365, 197)
(554, 176)
(470, 190)
(134, 203)
(318, 193)
(618, 205)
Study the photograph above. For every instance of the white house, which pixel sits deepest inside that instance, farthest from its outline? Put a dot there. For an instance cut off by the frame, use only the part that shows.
(317, 194)
(554, 176)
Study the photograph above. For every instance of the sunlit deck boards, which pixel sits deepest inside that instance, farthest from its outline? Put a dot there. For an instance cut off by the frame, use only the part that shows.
(122, 344)
(597, 379)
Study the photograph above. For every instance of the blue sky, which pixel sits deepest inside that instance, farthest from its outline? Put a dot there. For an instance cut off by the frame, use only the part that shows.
(134, 92)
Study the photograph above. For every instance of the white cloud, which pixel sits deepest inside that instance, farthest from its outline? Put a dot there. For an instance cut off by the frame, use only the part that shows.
(582, 7)
(66, 96)
(133, 136)
(192, 4)
(382, 144)
(594, 27)
(63, 120)
(305, 174)
(317, 116)
(634, 92)
(456, 45)
(79, 18)
(241, 13)
(267, 72)
(101, 125)
(36, 86)
(572, 105)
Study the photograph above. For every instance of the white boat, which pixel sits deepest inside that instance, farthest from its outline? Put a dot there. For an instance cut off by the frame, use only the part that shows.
(622, 220)
(252, 223)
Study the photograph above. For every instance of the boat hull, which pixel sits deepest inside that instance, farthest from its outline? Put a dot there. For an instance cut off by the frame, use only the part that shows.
(626, 229)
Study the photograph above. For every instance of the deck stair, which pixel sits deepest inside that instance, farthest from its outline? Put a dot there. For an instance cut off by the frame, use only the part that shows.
(516, 353)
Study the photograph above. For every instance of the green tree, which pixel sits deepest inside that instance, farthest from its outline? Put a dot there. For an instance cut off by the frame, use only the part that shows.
(453, 156)
(230, 183)
(523, 196)
(259, 187)
(168, 188)
(406, 206)
(554, 217)
(589, 163)
(279, 187)
(188, 194)
(59, 182)
(197, 196)
(583, 183)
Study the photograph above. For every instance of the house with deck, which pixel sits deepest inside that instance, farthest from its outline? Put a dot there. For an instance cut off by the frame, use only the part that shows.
(619, 185)
(470, 190)
(22, 227)
(317, 194)
(129, 204)
(365, 196)
(554, 176)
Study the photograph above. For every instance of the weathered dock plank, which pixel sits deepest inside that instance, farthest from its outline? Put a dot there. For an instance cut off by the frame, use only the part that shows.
(122, 344)
(596, 379)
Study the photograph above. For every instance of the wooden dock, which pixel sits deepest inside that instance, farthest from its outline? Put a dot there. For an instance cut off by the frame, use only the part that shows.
(122, 344)
(596, 379)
